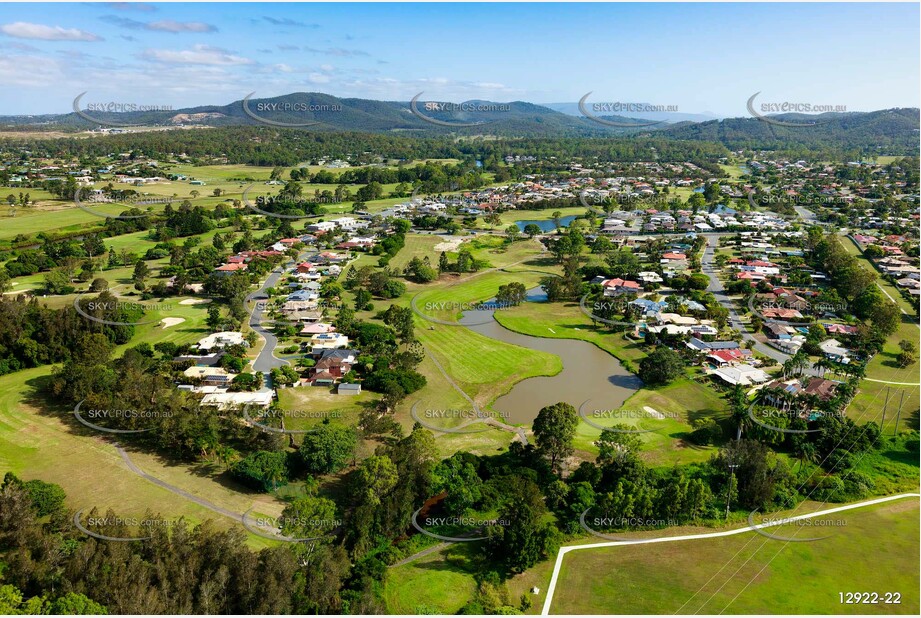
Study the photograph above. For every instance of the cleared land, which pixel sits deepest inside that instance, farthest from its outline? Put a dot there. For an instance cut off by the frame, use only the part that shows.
(751, 574)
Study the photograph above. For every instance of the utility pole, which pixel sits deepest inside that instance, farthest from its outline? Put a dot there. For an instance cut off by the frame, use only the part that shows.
(882, 427)
(732, 477)
(898, 415)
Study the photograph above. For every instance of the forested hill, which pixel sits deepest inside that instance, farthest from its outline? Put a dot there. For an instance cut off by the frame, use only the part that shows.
(891, 131)
(840, 135)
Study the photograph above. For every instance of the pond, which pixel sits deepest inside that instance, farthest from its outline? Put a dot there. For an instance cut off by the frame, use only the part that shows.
(590, 375)
(545, 225)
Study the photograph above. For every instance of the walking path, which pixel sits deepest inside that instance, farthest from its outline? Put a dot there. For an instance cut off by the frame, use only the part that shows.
(689, 537)
(238, 517)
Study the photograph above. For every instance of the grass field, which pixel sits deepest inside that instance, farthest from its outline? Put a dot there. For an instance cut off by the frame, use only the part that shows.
(53, 215)
(876, 550)
(439, 583)
(565, 320)
(680, 402)
(39, 439)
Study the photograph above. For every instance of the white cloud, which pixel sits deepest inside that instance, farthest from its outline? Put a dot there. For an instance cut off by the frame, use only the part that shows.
(318, 78)
(199, 54)
(25, 30)
(164, 25)
(168, 25)
(30, 71)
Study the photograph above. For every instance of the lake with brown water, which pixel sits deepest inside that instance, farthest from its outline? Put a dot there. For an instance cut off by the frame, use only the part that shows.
(590, 375)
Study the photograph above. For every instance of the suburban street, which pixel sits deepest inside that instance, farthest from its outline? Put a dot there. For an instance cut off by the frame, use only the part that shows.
(716, 288)
(266, 360)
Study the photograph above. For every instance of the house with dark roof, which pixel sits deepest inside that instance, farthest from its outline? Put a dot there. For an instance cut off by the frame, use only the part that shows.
(708, 346)
(331, 366)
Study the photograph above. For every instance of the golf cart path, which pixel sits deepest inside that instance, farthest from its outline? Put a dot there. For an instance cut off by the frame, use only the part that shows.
(176, 490)
(689, 537)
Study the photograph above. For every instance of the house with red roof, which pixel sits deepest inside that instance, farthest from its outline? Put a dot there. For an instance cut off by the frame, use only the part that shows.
(674, 257)
(228, 269)
(613, 287)
(721, 358)
(840, 329)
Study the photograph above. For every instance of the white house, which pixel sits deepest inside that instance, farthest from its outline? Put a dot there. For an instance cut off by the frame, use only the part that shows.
(221, 340)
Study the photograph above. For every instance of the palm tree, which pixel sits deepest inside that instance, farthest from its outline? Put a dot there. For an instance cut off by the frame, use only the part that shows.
(738, 404)
(805, 453)
(823, 365)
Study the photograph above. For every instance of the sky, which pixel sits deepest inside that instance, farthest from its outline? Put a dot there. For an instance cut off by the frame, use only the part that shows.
(701, 58)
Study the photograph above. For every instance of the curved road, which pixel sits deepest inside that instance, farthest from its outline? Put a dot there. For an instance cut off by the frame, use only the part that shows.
(266, 360)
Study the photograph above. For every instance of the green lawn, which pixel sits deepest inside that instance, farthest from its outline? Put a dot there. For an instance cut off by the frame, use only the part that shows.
(565, 320)
(439, 583)
(679, 402)
(420, 246)
(876, 550)
(39, 439)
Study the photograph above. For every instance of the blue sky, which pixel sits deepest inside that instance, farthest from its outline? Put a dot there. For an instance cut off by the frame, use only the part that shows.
(699, 57)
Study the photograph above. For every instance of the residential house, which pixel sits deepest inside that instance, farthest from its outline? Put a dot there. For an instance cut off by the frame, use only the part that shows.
(228, 269)
(221, 340)
(836, 352)
(613, 287)
(743, 375)
(331, 366)
(327, 341)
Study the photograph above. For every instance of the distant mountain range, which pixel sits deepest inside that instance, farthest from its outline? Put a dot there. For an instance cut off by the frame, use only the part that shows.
(572, 109)
(891, 130)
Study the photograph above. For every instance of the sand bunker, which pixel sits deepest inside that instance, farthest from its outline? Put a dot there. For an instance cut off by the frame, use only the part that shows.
(450, 245)
(653, 413)
(167, 322)
(194, 301)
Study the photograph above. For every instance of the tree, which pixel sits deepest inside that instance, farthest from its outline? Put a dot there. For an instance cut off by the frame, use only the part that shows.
(756, 469)
(623, 263)
(906, 358)
(74, 603)
(512, 232)
(284, 375)
(617, 444)
(443, 264)
(557, 217)
(308, 517)
(457, 477)
(375, 477)
(738, 404)
(328, 449)
(264, 470)
(362, 299)
(532, 230)
(523, 536)
(512, 294)
(141, 272)
(554, 430)
(661, 367)
(214, 319)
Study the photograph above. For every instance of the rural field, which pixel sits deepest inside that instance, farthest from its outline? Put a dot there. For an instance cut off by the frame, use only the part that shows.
(746, 573)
